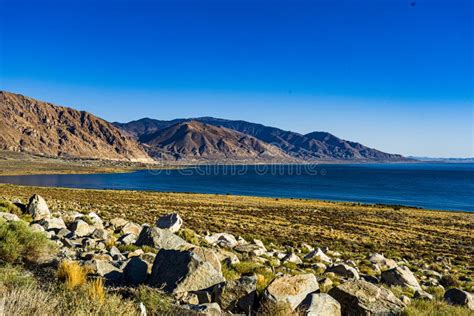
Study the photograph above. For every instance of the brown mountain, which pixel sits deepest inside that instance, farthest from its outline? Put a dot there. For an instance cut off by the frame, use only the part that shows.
(315, 146)
(194, 140)
(29, 125)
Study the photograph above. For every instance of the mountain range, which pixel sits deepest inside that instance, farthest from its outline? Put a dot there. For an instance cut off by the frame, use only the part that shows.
(43, 128)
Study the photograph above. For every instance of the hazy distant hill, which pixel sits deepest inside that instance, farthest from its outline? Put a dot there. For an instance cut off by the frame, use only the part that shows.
(192, 140)
(313, 146)
(37, 127)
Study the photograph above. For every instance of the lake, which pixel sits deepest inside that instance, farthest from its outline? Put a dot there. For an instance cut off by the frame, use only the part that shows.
(425, 185)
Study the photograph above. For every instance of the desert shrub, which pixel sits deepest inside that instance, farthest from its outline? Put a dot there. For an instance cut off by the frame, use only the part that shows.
(28, 300)
(18, 243)
(149, 249)
(155, 301)
(72, 274)
(127, 248)
(189, 235)
(14, 276)
(437, 291)
(229, 272)
(434, 308)
(246, 267)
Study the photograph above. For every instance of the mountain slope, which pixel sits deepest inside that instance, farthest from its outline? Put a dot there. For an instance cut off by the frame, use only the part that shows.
(192, 140)
(319, 146)
(37, 127)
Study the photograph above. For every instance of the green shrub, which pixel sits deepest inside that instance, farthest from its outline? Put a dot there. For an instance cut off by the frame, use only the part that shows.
(229, 273)
(18, 243)
(155, 301)
(14, 276)
(127, 248)
(8, 207)
(246, 267)
(189, 235)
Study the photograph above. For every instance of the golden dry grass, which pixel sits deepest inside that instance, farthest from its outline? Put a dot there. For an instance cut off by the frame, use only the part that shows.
(72, 274)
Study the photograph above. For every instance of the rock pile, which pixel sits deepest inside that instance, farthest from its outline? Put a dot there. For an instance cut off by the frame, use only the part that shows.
(222, 273)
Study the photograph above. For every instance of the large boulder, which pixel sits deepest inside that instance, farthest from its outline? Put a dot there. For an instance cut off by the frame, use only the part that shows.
(161, 239)
(344, 270)
(363, 298)
(459, 297)
(172, 222)
(131, 228)
(9, 217)
(320, 304)
(221, 239)
(290, 289)
(318, 255)
(104, 269)
(80, 228)
(179, 271)
(37, 208)
(135, 272)
(53, 223)
(401, 276)
(237, 296)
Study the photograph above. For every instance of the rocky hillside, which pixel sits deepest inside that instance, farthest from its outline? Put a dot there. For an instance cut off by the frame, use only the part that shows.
(192, 140)
(320, 146)
(213, 274)
(29, 125)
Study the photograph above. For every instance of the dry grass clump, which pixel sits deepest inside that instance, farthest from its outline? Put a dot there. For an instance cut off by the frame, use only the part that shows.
(72, 274)
(434, 308)
(28, 300)
(96, 289)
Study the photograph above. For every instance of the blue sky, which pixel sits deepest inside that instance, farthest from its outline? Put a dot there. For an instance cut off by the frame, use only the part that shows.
(391, 75)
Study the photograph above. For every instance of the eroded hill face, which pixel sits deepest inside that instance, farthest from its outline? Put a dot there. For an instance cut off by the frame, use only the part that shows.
(319, 146)
(42, 128)
(194, 140)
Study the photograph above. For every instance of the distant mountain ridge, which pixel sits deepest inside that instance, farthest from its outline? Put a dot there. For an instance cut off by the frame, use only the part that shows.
(37, 127)
(318, 146)
(193, 140)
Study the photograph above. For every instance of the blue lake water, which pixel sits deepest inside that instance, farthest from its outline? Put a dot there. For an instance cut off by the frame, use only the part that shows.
(432, 186)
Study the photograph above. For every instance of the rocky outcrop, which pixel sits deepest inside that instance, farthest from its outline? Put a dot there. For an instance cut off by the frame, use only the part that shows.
(37, 208)
(363, 298)
(237, 296)
(172, 222)
(460, 298)
(320, 304)
(291, 290)
(185, 270)
(161, 239)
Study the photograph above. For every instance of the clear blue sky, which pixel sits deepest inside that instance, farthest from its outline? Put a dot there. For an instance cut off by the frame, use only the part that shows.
(391, 75)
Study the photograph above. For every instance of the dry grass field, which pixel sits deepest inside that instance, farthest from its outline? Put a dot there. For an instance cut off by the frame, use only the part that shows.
(347, 227)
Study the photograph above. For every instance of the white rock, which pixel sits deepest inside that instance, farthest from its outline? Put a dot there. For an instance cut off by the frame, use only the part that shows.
(38, 208)
(172, 222)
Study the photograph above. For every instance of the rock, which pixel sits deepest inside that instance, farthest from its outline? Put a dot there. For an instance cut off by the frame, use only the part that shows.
(115, 253)
(135, 253)
(96, 221)
(63, 233)
(401, 276)
(105, 269)
(56, 223)
(38, 208)
(344, 270)
(325, 284)
(36, 227)
(291, 257)
(81, 228)
(250, 249)
(210, 309)
(131, 228)
(186, 270)
(383, 262)
(259, 243)
(172, 222)
(319, 255)
(320, 304)
(405, 300)
(100, 233)
(117, 223)
(127, 239)
(306, 247)
(187, 298)
(226, 256)
(423, 295)
(204, 296)
(363, 298)
(237, 296)
(135, 272)
(161, 239)
(9, 217)
(290, 289)
(222, 239)
(459, 297)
